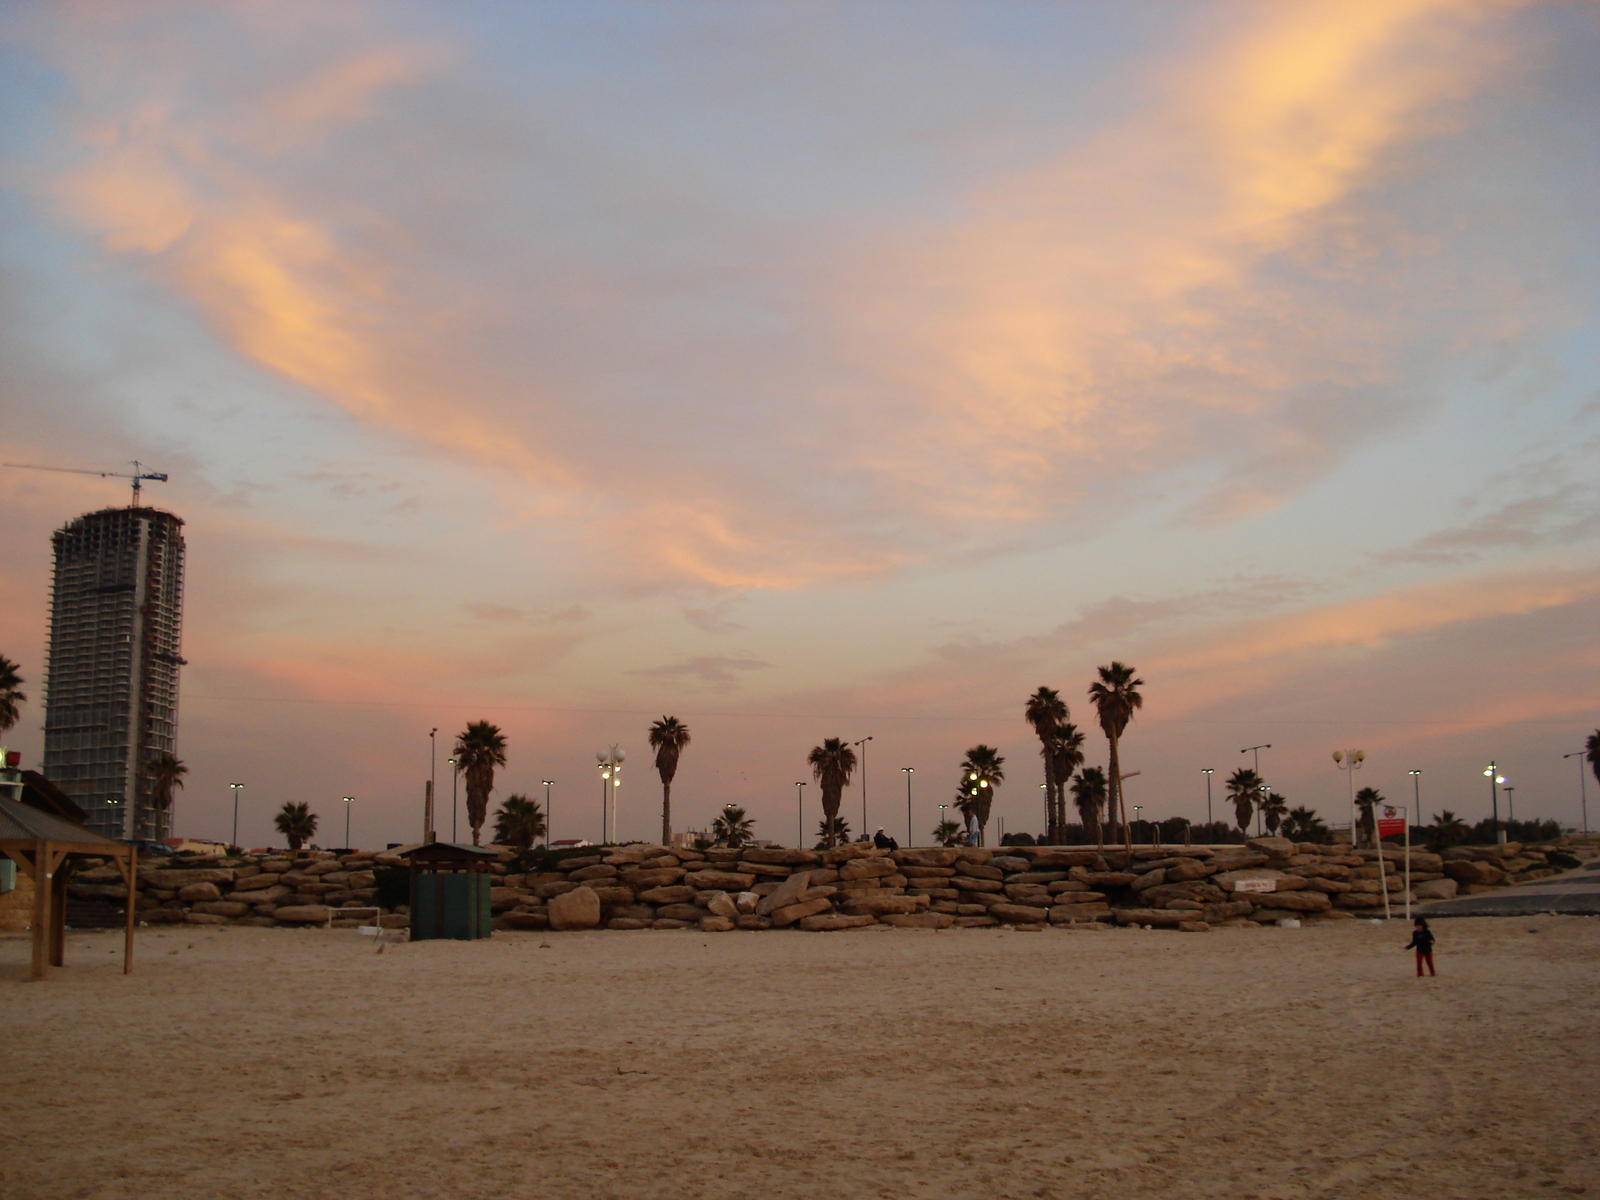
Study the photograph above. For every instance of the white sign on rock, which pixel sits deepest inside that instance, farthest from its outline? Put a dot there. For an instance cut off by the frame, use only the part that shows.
(1255, 885)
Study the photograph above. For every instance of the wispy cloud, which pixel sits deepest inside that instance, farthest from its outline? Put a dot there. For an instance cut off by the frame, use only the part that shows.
(715, 670)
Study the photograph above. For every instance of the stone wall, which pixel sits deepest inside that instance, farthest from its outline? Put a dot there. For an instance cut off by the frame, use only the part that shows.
(651, 887)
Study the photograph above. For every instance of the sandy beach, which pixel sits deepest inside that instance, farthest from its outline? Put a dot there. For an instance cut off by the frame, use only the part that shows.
(1245, 1064)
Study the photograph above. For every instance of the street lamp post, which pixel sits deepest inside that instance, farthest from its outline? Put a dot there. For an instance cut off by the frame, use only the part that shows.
(911, 836)
(433, 784)
(609, 762)
(942, 818)
(1583, 785)
(1137, 809)
(800, 813)
(863, 744)
(455, 776)
(1350, 762)
(347, 800)
(1257, 751)
(1511, 808)
(1206, 771)
(1261, 807)
(1492, 773)
(237, 788)
(1416, 799)
(548, 783)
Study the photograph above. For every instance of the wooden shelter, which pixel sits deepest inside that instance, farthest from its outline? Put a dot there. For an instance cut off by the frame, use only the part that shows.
(449, 890)
(47, 849)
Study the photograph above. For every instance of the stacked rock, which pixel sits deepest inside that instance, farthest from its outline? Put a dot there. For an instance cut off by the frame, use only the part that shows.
(1186, 888)
(306, 888)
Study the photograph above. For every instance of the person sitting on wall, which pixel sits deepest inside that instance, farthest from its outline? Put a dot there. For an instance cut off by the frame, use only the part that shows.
(883, 841)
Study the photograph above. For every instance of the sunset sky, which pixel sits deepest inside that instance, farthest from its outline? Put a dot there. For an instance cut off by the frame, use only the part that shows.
(821, 369)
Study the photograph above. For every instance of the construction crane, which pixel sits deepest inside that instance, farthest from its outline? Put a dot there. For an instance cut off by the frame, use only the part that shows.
(138, 476)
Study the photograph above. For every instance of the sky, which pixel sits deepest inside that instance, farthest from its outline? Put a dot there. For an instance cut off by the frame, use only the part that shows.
(810, 370)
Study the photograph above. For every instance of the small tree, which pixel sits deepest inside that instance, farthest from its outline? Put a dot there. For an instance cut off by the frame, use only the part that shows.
(1244, 790)
(480, 748)
(519, 822)
(1089, 798)
(1367, 801)
(166, 772)
(982, 771)
(668, 737)
(297, 823)
(1273, 811)
(1447, 830)
(732, 828)
(831, 832)
(1303, 825)
(12, 697)
(832, 764)
(948, 833)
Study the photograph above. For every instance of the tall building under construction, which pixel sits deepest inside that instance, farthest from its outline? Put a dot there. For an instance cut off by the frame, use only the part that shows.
(111, 688)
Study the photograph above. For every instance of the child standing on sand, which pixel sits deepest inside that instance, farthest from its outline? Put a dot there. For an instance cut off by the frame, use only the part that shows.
(1422, 941)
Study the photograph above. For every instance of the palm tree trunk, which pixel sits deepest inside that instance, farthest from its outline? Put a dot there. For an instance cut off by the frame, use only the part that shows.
(1119, 810)
(666, 813)
(1049, 799)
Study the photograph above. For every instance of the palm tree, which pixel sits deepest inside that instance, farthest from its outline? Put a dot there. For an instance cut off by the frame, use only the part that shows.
(1046, 711)
(1447, 829)
(732, 828)
(832, 831)
(480, 748)
(1367, 799)
(982, 771)
(1273, 811)
(832, 764)
(1303, 825)
(1089, 797)
(1244, 789)
(297, 823)
(668, 737)
(1116, 698)
(12, 697)
(1066, 750)
(947, 833)
(166, 771)
(520, 822)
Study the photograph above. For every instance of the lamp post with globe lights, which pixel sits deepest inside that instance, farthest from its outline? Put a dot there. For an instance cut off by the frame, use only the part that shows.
(1492, 774)
(1208, 772)
(609, 762)
(548, 784)
(1349, 761)
(347, 801)
(237, 788)
(908, 772)
(800, 813)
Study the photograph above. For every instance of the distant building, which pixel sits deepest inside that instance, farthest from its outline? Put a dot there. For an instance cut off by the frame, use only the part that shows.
(111, 685)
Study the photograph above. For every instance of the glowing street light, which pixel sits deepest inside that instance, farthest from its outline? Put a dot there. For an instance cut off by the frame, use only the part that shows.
(347, 800)
(548, 784)
(1207, 772)
(800, 812)
(1350, 762)
(237, 788)
(609, 762)
(908, 772)
(1492, 774)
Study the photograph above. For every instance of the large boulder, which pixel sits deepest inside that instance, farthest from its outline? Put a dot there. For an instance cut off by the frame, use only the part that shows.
(174, 879)
(1282, 880)
(577, 909)
(1154, 916)
(653, 878)
(1474, 872)
(720, 904)
(1273, 847)
(1064, 858)
(269, 895)
(1435, 889)
(1150, 879)
(720, 881)
(254, 883)
(715, 924)
(791, 891)
(927, 857)
(221, 908)
(866, 868)
(778, 854)
(1186, 869)
(534, 920)
(969, 883)
(790, 913)
(878, 905)
(678, 894)
(303, 914)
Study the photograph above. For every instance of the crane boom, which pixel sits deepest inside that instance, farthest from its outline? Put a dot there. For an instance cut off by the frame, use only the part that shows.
(138, 476)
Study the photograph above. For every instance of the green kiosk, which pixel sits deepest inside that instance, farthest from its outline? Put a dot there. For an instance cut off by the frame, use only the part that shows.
(449, 890)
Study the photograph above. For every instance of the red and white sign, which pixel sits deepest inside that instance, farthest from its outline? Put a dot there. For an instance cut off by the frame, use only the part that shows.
(1391, 823)
(1255, 885)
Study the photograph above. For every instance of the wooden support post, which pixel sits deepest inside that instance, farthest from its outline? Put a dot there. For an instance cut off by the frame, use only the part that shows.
(60, 873)
(41, 910)
(132, 872)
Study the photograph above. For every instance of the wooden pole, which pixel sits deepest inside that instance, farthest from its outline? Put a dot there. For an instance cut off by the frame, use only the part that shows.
(41, 910)
(132, 872)
(60, 872)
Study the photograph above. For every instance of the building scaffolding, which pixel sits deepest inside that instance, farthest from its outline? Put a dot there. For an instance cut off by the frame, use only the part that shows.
(111, 688)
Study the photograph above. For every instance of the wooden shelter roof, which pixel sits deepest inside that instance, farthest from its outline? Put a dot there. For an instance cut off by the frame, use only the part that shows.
(21, 822)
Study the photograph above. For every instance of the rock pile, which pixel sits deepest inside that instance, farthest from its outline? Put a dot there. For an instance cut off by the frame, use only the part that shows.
(1188, 888)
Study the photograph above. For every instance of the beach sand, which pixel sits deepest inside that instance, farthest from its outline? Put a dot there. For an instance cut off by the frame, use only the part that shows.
(1248, 1064)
